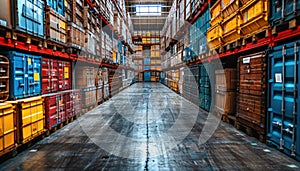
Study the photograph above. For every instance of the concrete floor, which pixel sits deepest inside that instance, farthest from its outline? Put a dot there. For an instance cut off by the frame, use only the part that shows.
(149, 127)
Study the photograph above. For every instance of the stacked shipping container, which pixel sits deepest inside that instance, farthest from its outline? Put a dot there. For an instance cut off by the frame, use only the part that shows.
(36, 72)
(238, 29)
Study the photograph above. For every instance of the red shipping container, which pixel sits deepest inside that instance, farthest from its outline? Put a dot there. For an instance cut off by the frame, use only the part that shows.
(64, 69)
(49, 76)
(54, 110)
(69, 102)
(56, 75)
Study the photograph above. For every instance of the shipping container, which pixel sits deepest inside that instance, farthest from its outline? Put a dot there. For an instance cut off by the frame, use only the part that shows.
(4, 78)
(251, 94)
(56, 26)
(147, 76)
(206, 81)
(69, 105)
(55, 110)
(30, 118)
(57, 5)
(56, 75)
(283, 11)
(24, 74)
(283, 106)
(26, 16)
(7, 128)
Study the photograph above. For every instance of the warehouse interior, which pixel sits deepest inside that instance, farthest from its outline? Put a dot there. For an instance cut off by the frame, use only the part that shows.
(149, 85)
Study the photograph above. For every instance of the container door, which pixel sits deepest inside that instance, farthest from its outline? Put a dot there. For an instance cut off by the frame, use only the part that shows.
(49, 76)
(291, 8)
(147, 76)
(31, 16)
(25, 72)
(283, 94)
(64, 70)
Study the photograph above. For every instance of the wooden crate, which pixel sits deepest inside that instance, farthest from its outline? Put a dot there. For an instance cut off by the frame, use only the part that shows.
(225, 102)
(226, 79)
(75, 36)
(55, 26)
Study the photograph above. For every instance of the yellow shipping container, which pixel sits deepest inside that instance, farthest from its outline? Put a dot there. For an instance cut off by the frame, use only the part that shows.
(7, 128)
(30, 118)
(255, 17)
(231, 28)
(214, 36)
(216, 15)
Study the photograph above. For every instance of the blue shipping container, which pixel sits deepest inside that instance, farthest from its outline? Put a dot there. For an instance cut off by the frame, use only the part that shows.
(206, 82)
(284, 10)
(57, 5)
(147, 61)
(283, 105)
(25, 75)
(30, 17)
(147, 76)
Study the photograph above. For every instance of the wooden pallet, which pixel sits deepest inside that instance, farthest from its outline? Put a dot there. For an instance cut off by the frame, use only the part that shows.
(233, 45)
(255, 36)
(27, 38)
(251, 129)
(54, 46)
(285, 25)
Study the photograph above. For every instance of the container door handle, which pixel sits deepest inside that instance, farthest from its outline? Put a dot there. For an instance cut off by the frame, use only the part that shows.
(21, 84)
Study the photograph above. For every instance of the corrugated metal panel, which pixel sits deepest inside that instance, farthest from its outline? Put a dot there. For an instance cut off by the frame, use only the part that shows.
(25, 75)
(283, 108)
(283, 10)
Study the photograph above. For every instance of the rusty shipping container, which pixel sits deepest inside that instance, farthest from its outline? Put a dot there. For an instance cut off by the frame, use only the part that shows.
(251, 98)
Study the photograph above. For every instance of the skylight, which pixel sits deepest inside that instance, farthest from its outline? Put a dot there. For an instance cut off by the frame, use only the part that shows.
(146, 10)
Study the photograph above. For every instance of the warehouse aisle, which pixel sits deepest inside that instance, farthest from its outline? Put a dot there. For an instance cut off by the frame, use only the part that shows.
(139, 127)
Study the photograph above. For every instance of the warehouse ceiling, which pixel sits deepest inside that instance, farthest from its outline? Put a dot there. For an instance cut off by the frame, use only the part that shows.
(148, 15)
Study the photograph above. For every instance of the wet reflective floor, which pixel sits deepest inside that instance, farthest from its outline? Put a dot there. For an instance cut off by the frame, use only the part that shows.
(149, 127)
